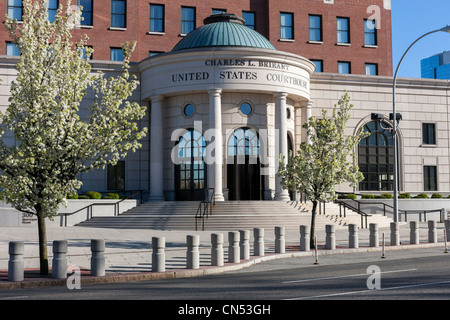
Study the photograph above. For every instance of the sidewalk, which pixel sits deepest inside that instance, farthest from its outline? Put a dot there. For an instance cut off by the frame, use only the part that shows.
(128, 253)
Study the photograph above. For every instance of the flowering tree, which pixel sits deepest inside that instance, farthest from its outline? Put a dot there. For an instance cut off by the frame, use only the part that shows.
(328, 160)
(53, 144)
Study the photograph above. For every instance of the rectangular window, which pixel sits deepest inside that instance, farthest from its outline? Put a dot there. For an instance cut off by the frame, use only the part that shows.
(343, 30)
(156, 18)
(371, 69)
(116, 54)
(15, 9)
(428, 133)
(187, 19)
(116, 176)
(86, 12)
(52, 8)
(430, 178)
(218, 11)
(287, 25)
(344, 67)
(315, 28)
(118, 14)
(12, 49)
(319, 65)
(249, 18)
(370, 33)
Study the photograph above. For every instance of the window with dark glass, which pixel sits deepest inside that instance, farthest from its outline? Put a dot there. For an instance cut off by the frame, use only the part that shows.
(370, 32)
(430, 178)
(371, 69)
(15, 9)
(315, 28)
(428, 133)
(12, 49)
(343, 30)
(218, 11)
(52, 8)
(86, 12)
(249, 18)
(344, 67)
(187, 20)
(318, 64)
(156, 18)
(118, 13)
(116, 176)
(286, 25)
(116, 54)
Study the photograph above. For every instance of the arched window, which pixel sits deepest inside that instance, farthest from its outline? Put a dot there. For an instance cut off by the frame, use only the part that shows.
(376, 158)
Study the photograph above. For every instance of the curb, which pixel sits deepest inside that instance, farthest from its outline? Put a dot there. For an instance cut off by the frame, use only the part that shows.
(202, 271)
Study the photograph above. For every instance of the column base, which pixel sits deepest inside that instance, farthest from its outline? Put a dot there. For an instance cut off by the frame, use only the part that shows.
(219, 197)
(156, 198)
(283, 196)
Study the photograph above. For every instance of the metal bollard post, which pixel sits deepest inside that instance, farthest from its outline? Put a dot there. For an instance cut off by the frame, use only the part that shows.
(59, 263)
(234, 252)
(395, 236)
(158, 254)
(353, 239)
(217, 249)
(98, 258)
(258, 244)
(330, 239)
(15, 263)
(447, 226)
(304, 238)
(432, 235)
(414, 232)
(373, 237)
(192, 253)
(245, 244)
(280, 242)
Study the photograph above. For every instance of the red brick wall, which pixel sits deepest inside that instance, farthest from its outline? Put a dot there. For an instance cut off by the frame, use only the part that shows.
(267, 19)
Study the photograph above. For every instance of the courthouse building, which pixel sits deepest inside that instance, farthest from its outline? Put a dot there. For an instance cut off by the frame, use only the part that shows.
(227, 93)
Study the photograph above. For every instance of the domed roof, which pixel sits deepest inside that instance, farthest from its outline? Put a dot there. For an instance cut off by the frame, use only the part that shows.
(223, 30)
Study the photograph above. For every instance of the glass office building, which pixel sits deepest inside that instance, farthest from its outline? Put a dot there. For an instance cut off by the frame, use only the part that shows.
(436, 67)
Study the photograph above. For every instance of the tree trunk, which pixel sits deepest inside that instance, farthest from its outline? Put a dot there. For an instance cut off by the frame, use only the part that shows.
(42, 231)
(313, 225)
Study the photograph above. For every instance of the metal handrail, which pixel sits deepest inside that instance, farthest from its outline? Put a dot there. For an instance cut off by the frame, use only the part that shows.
(204, 208)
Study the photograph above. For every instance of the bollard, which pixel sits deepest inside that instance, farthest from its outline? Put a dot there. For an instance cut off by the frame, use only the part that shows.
(158, 254)
(217, 249)
(258, 244)
(192, 253)
(280, 242)
(330, 239)
(395, 236)
(304, 238)
(353, 239)
(447, 226)
(234, 252)
(98, 258)
(414, 232)
(59, 263)
(15, 263)
(245, 244)
(373, 237)
(432, 235)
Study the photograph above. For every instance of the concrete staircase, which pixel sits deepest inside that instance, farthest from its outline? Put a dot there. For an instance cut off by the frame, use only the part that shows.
(227, 216)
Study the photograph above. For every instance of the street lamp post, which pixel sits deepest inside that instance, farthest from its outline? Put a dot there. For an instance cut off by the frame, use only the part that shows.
(394, 122)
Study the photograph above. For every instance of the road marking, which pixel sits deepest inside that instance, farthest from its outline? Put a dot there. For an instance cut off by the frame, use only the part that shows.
(373, 290)
(346, 276)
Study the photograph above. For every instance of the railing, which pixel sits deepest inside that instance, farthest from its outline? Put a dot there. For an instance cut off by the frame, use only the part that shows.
(115, 204)
(205, 207)
(357, 209)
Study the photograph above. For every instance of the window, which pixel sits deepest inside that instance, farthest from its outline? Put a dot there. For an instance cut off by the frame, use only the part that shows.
(246, 109)
(12, 49)
(343, 30)
(116, 176)
(116, 54)
(371, 69)
(189, 110)
(344, 67)
(218, 11)
(86, 12)
(249, 18)
(187, 20)
(319, 65)
(287, 25)
(52, 8)
(430, 178)
(428, 133)
(315, 28)
(156, 18)
(370, 33)
(118, 14)
(15, 9)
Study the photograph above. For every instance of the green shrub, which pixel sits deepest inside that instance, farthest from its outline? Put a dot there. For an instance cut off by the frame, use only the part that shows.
(83, 197)
(421, 196)
(367, 196)
(72, 196)
(113, 196)
(437, 196)
(386, 196)
(94, 195)
(347, 196)
(404, 196)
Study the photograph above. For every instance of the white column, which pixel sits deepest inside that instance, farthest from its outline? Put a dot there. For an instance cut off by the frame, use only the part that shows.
(306, 114)
(281, 126)
(215, 111)
(156, 150)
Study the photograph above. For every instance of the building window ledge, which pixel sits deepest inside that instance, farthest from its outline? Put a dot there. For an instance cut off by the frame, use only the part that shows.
(81, 26)
(428, 145)
(370, 46)
(156, 33)
(343, 44)
(315, 42)
(117, 29)
(286, 40)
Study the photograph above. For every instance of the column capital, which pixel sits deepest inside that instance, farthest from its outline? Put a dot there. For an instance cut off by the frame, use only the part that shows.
(156, 98)
(280, 95)
(215, 91)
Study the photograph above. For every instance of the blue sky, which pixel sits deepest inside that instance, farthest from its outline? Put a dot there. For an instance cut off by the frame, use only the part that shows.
(410, 20)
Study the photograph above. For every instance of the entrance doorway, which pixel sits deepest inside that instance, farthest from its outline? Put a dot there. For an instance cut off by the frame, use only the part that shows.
(243, 165)
(190, 168)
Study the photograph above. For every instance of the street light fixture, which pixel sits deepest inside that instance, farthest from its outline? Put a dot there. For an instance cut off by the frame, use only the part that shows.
(395, 125)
